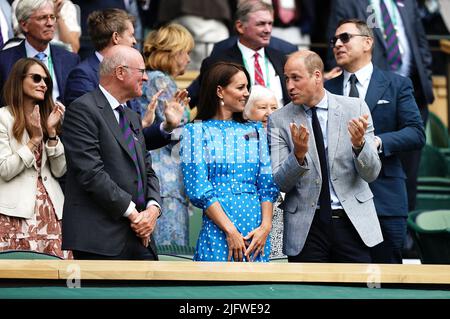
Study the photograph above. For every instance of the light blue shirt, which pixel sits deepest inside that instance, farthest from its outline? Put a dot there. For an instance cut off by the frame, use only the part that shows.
(322, 115)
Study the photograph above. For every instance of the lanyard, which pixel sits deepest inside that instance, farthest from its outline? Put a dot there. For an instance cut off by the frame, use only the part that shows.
(266, 66)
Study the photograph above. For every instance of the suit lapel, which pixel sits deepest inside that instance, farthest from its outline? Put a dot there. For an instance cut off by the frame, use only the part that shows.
(57, 67)
(110, 119)
(377, 86)
(334, 128)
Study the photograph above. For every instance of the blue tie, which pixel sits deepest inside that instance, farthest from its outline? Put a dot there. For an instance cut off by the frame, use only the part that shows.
(324, 197)
(41, 56)
(129, 141)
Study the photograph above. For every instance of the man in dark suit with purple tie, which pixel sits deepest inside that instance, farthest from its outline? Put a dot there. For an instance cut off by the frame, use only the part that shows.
(112, 193)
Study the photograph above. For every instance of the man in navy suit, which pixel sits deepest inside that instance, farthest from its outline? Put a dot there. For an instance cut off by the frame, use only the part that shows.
(254, 21)
(414, 52)
(397, 122)
(108, 28)
(37, 21)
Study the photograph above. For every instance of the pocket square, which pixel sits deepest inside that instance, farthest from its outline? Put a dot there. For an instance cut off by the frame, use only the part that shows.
(382, 102)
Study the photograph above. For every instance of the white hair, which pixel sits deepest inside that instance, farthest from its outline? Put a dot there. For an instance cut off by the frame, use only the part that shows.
(258, 93)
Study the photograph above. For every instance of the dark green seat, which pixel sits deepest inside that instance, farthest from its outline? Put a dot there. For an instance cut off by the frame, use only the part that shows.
(25, 254)
(430, 201)
(432, 162)
(430, 230)
(437, 132)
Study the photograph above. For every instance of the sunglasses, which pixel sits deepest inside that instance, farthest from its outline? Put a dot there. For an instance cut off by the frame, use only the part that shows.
(37, 78)
(344, 37)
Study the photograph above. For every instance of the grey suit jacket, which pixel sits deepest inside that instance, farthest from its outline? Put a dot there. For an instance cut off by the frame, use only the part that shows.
(349, 175)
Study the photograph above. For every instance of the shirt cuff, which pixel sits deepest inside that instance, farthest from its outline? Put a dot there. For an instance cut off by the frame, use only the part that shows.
(380, 146)
(130, 209)
(161, 128)
(154, 203)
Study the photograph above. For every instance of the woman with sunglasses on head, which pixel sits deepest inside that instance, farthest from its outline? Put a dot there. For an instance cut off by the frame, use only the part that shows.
(31, 158)
(227, 170)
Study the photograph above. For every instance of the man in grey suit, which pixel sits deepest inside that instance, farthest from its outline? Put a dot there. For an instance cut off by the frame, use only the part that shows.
(329, 210)
(111, 204)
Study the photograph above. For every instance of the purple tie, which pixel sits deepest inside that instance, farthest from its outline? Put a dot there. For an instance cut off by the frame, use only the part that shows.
(1, 38)
(394, 57)
(129, 141)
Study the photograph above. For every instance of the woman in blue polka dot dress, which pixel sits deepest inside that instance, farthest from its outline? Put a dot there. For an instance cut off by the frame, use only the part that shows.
(227, 171)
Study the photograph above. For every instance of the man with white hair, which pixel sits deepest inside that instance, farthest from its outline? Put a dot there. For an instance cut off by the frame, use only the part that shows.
(112, 192)
(37, 21)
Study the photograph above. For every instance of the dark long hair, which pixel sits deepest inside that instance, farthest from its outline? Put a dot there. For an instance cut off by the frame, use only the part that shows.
(13, 96)
(219, 73)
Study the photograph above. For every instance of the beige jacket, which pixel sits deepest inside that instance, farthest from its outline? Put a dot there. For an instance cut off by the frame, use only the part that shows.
(18, 172)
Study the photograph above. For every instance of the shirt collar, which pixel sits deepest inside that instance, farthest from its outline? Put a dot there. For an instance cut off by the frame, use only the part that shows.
(111, 99)
(323, 104)
(31, 51)
(248, 53)
(99, 56)
(363, 75)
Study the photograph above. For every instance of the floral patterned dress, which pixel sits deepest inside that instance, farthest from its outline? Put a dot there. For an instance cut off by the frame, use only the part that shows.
(41, 232)
(173, 225)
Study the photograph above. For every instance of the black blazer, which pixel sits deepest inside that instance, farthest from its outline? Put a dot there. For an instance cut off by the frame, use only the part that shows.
(101, 176)
(233, 54)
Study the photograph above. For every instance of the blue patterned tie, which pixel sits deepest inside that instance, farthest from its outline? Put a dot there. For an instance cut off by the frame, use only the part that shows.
(41, 56)
(324, 197)
(129, 141)
(394, 57)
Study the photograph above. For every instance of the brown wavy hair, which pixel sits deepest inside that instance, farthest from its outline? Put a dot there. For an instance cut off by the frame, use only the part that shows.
(13, 95)
(219, 73)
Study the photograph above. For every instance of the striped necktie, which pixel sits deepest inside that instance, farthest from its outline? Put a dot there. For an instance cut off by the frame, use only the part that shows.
(394, 57)
(124, 125)
(259, 77)
(41, 56)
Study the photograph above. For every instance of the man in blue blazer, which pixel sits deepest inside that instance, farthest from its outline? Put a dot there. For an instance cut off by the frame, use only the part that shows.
(415, 57)
(397, 122)
(108, 28)
(254, 21)
(38, 25)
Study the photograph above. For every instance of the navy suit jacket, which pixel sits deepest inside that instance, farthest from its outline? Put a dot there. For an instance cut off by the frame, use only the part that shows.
(420, 51)
(233, 54)
(63, 62)
(84, 78)
(275, 43)
(397, 122)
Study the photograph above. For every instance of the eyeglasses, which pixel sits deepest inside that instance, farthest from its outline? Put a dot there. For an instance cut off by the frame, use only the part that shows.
(344, 37)
(44, 18)
(130, 67)
(37, 78)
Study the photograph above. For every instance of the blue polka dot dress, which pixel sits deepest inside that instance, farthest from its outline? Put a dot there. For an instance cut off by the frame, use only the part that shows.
(227, 162)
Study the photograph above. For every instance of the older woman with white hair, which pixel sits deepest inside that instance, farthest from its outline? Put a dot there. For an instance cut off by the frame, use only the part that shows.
(261, 103)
